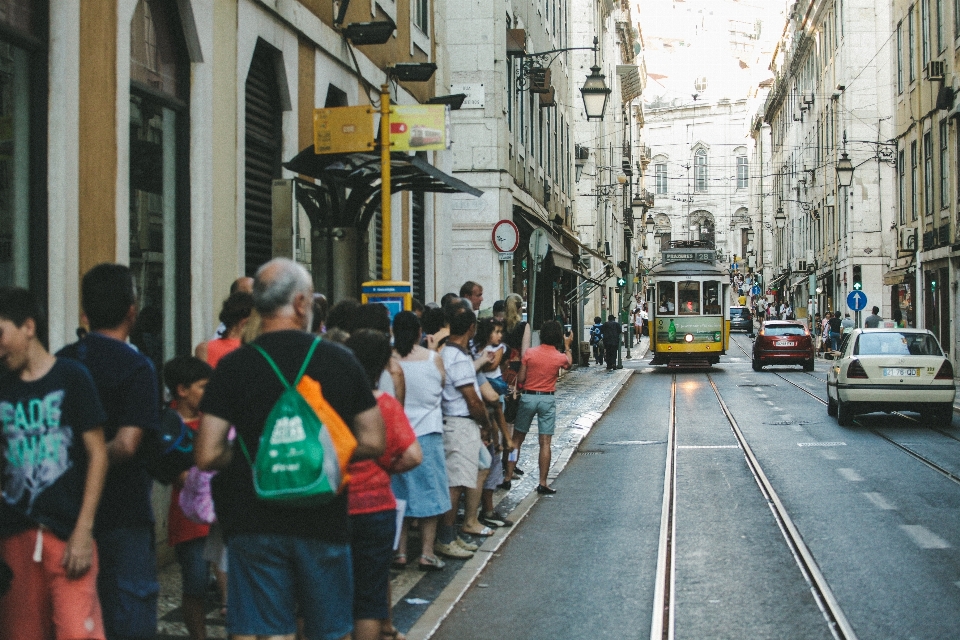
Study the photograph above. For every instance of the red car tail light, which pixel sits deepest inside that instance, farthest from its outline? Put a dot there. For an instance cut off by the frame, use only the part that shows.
(856, 370)
(946, 371)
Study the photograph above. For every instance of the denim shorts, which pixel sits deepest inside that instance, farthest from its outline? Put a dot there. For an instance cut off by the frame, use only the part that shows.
(127, 583)
(193, 567)
(271, 577)
(544, 407)
(371, 544)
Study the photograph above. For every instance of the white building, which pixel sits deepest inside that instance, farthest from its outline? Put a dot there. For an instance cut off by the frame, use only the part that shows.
(700, 173)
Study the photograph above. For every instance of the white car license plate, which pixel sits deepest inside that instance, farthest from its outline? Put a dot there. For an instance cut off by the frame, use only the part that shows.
(783, 343)
(901, 373)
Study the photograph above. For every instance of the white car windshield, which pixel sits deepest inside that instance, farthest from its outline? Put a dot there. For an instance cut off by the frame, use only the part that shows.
(897, 344)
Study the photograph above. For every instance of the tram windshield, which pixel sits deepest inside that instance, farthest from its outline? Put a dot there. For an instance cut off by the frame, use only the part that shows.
(689, 296)
(666, 298)
(711, 297)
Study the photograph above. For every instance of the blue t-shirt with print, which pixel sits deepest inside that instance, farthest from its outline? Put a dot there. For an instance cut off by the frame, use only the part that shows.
(44, 457)
(127, 384)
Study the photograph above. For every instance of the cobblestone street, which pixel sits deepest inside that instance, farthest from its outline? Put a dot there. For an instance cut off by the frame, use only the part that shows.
(582, 396)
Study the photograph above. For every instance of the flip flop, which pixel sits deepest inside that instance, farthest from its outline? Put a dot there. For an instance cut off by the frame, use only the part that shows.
(486, 531)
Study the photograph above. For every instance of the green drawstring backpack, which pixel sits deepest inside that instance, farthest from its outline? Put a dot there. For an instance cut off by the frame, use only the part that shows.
(296, 463)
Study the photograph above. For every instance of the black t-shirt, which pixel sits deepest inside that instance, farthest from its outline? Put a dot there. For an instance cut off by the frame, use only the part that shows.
(45, 460)
(127, 384)
(242, 391)
(514, 337)
(611, 333)
(835, 324)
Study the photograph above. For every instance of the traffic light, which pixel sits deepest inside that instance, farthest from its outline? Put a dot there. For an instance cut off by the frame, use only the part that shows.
(857, 278)
(933, 286)
(621, 282)
(624, 268)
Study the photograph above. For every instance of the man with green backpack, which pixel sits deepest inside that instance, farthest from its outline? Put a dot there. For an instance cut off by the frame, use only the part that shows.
(302, 409)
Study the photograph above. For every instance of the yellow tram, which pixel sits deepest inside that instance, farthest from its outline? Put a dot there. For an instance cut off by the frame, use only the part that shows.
(688, 302)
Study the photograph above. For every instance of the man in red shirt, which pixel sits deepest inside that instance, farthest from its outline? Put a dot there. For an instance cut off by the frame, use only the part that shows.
(538, 380)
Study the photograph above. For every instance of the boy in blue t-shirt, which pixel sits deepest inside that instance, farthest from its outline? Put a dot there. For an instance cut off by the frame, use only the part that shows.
(54, 466)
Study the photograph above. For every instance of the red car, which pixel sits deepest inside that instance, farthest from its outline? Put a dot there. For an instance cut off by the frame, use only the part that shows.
(783, 342)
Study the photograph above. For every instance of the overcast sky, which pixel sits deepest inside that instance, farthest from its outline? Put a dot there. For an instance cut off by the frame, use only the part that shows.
(726, 44)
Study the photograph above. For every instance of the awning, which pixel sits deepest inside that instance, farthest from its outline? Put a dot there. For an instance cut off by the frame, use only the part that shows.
(562, 258)
(360, 172)
(897, 276)
(596, 254)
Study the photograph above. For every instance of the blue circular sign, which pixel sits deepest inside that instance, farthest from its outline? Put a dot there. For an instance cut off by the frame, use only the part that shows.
(857, 300)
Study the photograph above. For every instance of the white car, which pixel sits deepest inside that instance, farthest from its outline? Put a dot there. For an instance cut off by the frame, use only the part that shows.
(890, 370)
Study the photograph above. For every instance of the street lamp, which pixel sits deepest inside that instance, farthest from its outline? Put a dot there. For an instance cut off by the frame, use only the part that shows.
(844, 170)
(595, 91)
(650, 224)
(750, 235)
(780, 218)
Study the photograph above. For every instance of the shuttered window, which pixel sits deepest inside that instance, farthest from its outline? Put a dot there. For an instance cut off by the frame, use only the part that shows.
(418, 243)
(263, 156)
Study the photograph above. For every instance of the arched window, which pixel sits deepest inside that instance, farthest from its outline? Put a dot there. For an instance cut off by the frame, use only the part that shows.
(700, 171)
(159, 196)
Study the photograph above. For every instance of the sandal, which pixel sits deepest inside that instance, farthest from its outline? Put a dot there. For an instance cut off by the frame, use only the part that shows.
(485, 531)
(399, 561)
(428, 563)
(393, 634)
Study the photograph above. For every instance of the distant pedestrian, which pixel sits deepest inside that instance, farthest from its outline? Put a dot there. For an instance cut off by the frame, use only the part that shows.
(611, 341)
(873, 320)
(283, 560)
(836, 330)
(596, 339)
(127, 385)
(538, 378)
(53, 474)
(846, 325)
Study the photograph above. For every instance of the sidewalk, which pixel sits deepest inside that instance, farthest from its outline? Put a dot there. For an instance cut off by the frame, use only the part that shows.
(422, 600)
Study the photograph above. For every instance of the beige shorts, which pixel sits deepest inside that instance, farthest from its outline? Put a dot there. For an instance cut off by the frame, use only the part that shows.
(461, 444)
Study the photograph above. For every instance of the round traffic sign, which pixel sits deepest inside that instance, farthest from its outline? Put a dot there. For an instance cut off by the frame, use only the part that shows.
(506, 236)
(857, 300)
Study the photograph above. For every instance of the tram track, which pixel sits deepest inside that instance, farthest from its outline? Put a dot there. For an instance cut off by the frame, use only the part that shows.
(839, 625)
(663, 619)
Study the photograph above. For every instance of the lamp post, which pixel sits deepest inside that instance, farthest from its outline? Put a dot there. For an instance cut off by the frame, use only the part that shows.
(844, 170)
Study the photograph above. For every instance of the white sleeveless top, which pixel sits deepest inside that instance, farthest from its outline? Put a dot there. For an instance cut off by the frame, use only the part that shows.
(422, 402)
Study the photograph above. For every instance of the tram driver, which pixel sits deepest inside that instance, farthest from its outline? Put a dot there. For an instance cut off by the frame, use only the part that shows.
(666, 306)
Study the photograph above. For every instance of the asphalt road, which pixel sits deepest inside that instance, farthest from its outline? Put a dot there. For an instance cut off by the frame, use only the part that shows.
(882, 527)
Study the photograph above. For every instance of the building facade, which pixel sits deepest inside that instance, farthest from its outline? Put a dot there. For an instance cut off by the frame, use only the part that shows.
(830, 97)
(923, 270)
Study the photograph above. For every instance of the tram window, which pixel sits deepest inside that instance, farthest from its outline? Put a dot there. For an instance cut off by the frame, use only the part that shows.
(711, 297)
(666, 298)
(689, 296)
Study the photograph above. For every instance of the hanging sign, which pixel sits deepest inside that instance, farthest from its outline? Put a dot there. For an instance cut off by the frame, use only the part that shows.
(419, 127)
(343, 130)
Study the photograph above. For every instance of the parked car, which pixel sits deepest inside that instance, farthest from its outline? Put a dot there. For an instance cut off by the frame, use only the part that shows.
(890, 370)
(741, 320)
(783, 342)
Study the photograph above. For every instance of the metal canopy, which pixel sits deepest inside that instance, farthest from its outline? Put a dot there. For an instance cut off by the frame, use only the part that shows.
(360, 173)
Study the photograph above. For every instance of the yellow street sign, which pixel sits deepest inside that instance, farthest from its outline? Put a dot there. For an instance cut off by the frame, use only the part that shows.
(343, 130)
(419, 127)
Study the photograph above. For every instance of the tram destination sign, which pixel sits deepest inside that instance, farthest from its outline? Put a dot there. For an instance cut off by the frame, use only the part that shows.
(688, 256)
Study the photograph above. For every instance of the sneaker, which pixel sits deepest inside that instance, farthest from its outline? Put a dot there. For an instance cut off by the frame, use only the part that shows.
(518, 471)
(545, 491)
(452, 550)
(491, 520)
(467, 546)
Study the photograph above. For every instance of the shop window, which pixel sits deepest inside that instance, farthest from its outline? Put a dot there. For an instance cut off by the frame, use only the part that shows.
(23, 97)
(159, 198)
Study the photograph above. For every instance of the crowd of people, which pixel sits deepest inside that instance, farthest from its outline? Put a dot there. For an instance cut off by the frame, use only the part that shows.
(437, 404)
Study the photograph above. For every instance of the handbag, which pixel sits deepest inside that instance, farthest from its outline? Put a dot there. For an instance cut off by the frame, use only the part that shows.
(196, 499)
(511, 402)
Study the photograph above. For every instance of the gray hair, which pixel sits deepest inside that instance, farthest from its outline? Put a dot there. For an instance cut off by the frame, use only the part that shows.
(277, 283)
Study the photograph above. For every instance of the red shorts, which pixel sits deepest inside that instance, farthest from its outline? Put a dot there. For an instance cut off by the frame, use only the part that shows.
(42, 602)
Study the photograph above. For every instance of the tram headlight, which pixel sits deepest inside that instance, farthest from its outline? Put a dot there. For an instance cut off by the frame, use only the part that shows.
(688, 337)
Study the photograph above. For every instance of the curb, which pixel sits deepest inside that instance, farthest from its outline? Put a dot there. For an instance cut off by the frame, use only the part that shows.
(443, 604)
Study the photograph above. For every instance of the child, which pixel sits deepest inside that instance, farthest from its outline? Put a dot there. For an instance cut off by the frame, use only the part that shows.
(186, 378)
(371, 503)
(55, 464)
(490, 335)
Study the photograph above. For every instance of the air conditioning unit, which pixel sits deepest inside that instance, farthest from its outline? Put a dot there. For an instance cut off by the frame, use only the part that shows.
(934, 70)
(800, 265)
(908, 239)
